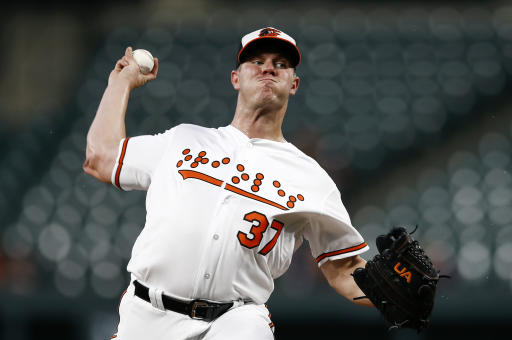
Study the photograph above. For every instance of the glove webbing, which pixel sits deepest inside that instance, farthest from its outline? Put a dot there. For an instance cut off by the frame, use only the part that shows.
(412, 257)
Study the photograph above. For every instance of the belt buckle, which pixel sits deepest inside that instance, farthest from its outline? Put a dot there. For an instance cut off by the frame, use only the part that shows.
(195, 304)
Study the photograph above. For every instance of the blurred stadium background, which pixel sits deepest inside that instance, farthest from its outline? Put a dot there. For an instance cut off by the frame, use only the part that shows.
(405, 103)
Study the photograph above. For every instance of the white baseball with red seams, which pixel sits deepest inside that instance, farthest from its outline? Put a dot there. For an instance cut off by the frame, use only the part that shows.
(144, 59)
(225, 213)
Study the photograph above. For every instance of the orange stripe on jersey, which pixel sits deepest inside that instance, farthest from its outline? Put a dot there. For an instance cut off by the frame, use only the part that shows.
(198, 175)
(253, 196)
(341, 251)
(120, 163)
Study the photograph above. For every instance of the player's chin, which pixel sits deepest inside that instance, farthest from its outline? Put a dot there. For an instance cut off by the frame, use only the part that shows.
(268, 95)
(270, 103)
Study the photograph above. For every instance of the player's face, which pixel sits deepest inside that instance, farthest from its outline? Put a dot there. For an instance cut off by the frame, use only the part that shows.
(265, 77)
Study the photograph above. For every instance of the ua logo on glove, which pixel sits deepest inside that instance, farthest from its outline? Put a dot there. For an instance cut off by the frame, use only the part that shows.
(403, 272)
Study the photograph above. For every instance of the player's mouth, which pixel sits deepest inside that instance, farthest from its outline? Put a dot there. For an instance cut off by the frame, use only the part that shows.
(266, 80)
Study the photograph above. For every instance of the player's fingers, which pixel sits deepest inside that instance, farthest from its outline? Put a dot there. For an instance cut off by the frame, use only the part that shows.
(119, 65)
(154, 72)
(152, 75)
(129, 54)
(124, 61)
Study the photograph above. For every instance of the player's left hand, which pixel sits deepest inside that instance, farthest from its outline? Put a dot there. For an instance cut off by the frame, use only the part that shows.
(400, 281)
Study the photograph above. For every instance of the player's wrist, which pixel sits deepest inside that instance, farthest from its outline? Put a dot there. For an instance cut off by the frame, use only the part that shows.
(121, 82)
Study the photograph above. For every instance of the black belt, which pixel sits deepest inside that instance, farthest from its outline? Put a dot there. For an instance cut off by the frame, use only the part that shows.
(196, 309)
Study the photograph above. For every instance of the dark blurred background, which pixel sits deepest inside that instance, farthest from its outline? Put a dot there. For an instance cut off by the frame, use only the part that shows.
(405, 103)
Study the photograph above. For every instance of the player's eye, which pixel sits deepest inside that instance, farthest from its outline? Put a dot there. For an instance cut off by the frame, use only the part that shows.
(257, 62)
(280, 65)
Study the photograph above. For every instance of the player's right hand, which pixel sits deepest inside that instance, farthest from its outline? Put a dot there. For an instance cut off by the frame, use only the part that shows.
(127, 70)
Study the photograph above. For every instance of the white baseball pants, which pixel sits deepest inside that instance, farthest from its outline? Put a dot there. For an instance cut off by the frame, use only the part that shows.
(139, 320)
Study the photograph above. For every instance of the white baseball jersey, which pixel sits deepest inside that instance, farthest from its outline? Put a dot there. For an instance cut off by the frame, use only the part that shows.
(225, 213)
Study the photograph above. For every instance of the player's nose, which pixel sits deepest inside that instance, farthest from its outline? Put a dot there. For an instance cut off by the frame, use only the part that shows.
(268, 66)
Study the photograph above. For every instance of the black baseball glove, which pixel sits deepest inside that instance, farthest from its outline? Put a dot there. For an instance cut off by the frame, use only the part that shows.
(400, 281)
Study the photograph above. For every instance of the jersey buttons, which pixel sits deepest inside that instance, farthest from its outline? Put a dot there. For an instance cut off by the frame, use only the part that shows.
(215, 237)
(207, 276)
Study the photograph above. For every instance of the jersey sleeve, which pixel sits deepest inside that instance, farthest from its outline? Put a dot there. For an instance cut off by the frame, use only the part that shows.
(330, 233)
(137, 159)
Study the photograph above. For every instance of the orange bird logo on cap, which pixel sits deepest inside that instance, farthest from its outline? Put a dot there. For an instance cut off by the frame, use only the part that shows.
(269, 31)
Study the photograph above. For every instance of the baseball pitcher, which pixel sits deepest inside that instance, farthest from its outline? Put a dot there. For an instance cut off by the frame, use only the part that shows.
(227, 207)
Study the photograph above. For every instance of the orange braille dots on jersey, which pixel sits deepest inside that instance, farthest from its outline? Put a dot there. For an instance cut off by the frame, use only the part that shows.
(257, 182)
(291, 201)
(199, 159)
(252, 190)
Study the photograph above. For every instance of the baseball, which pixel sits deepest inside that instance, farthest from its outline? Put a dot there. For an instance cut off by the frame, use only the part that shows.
(144, 59)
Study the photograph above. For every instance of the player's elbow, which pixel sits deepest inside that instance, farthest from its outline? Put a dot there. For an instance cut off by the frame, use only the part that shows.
(98, 164)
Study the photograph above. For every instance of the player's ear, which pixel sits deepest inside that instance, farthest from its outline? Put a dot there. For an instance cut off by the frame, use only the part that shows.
(235, 80)
(295, 85)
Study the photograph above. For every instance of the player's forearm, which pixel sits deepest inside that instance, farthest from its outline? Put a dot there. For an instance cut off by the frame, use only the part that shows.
(347, 287)
(107, 130)
(108, 127)
(338, 274)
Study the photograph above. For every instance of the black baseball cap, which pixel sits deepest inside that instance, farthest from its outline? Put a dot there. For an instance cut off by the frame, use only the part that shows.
(269, 36)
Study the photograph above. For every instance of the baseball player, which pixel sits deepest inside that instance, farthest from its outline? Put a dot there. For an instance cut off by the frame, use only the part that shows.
(226, 207)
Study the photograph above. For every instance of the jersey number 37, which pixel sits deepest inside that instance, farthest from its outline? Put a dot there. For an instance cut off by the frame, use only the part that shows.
(259, 226)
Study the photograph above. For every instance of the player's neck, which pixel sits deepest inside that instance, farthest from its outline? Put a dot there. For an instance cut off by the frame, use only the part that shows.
(259, 124)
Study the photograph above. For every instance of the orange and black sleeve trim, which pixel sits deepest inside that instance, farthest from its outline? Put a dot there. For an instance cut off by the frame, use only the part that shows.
(120, 163)
(341, 251)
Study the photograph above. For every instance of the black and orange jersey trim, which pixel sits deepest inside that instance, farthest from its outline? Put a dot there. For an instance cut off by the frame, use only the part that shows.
(341, 251)
(120, 163)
